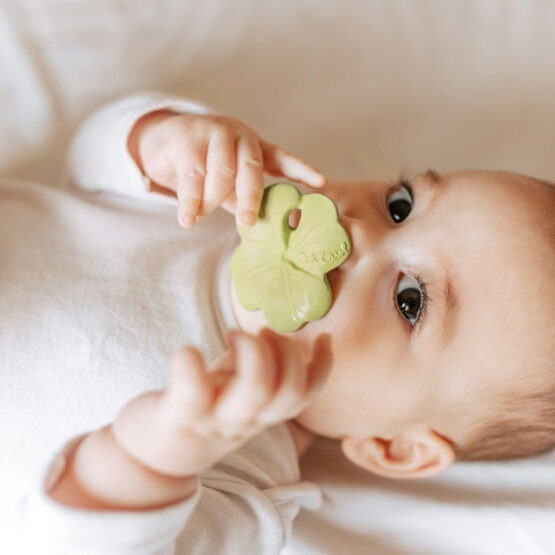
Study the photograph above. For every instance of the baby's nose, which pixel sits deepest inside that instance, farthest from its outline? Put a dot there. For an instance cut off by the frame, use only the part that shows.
(351, 198)
(364, 240)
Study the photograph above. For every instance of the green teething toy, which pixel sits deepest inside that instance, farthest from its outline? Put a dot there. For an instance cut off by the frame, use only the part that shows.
(281, 270)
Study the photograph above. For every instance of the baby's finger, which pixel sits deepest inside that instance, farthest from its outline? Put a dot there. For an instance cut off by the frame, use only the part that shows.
(220, 171)
(189, 394)
(280, 163)
(254, 381)
(249, 186)
(230, 203)
(191, 172)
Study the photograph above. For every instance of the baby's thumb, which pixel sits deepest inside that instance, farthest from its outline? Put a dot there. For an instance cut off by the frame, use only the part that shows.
(280, 163)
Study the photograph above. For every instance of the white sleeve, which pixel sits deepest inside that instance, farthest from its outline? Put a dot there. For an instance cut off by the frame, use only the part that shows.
(250, 500)
(45, 527)
(99, 159)
(246, 504)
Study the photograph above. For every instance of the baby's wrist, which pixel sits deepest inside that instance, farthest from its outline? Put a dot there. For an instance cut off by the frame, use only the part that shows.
(101, 475)
(140, 130)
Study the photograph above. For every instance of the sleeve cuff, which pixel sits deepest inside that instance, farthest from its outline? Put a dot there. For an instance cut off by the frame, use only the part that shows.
(99, 158)
(137, 108)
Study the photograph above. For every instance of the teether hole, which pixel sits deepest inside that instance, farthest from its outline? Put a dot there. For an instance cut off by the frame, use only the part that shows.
(294, 218)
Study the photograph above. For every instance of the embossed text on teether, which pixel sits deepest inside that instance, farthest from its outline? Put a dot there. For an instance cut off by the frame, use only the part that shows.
(324, 257)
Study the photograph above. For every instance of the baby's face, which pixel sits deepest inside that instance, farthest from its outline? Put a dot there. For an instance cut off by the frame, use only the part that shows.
(432, 308)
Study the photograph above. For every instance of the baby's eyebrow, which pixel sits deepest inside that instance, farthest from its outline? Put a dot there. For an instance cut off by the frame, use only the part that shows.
(450, 310)
(432, 175)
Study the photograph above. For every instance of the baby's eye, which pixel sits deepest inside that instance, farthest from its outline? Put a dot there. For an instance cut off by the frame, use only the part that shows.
(411, 299)
(399, 202)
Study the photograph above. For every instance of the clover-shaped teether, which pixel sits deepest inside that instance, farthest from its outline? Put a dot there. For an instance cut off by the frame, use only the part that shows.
(281, 270)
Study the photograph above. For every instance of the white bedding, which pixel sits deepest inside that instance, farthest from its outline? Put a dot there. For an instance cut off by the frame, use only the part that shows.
(361, 88)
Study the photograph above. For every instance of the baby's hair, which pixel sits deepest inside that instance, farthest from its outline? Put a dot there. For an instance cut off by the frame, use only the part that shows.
(528, 427)
(515, 437)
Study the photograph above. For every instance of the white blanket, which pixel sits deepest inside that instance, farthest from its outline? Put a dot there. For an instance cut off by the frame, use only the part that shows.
(361, 88)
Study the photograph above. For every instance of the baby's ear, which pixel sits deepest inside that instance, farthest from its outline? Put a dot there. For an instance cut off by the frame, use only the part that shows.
(415, 454)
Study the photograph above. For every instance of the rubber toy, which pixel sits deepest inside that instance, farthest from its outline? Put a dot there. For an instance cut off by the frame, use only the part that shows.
(280, 267)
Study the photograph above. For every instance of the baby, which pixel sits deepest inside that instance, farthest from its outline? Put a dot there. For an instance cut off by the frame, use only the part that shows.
(438, 347)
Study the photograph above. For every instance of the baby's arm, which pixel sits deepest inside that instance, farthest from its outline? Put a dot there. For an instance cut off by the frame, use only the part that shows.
(149, 458)
(163, 440)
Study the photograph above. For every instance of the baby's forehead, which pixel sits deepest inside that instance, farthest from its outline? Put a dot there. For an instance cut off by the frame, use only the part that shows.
(513, 219)
(502, 257)
(507, 201)
(525, 190)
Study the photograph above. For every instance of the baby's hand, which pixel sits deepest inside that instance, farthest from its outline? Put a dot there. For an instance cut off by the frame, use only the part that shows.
(208, 412)
(210, 161)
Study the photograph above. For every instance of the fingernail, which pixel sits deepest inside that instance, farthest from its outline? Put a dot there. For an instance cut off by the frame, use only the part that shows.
(247, 218)
(207, 208)
(187, 221)
(322, 181)
(318, 180)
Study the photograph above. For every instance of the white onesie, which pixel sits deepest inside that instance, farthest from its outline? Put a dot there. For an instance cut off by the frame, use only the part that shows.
(96, 293)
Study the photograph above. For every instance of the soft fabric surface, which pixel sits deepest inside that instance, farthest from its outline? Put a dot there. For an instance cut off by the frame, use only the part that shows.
(361, 89)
